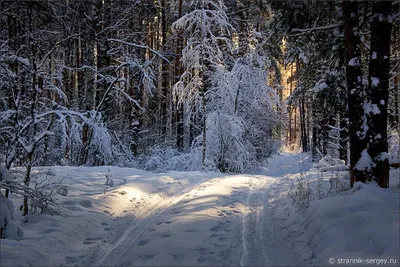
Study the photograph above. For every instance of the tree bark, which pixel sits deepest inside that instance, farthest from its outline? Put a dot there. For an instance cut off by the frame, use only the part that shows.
(178, 73)
(381, 26)
(354, 89)
(164, 74)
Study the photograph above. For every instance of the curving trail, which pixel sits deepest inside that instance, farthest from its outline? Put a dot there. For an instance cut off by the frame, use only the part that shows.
(220, 221)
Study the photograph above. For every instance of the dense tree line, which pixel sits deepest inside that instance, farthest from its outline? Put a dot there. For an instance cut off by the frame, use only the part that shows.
(346, 91)
(197, 84)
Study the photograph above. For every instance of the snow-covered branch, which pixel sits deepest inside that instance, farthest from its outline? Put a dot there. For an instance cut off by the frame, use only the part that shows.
(319, 28)
(140, 46)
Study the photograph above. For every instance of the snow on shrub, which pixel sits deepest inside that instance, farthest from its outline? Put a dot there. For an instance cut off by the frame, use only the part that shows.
(242, 113)
(157, 158)
(191, 161)
(162, 159)
(327, 178)
(227, 144)
(4, 174)
(8, 228)
(327, 163)
(155, 163)
(365, 162)
(62, 190)
(394, 147)
(309, 187)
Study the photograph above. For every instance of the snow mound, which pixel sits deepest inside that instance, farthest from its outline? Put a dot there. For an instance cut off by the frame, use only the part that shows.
(360, 223)
(286, 164)
(327, 163)
(364, 223)
(10, 229)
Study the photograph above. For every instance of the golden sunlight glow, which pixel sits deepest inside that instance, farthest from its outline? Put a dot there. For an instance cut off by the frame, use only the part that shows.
(235, 42)
(288, 83)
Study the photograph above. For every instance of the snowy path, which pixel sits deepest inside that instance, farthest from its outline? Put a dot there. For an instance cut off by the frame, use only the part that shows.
(262, 245)
(222, 221)
(203, 219)
(254, 251)
(159, 219)
(217, 222)
(134, 234)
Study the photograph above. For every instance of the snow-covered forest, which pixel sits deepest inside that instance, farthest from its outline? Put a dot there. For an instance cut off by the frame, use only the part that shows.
(199, 132)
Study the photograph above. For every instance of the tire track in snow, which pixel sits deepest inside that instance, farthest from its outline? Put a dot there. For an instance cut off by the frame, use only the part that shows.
(253, 246)
(244, 232)
(133, 234)
(262, 244)
(280, 247)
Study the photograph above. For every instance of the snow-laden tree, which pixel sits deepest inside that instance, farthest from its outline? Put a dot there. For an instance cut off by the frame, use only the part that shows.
(206, 29)
(38, 123)
(243, 113)
(132, 88)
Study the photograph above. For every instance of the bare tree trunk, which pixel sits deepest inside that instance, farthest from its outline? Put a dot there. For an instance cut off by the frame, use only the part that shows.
(204, 141)
(33, 95)
(291, 108)
(27, 181)
(381, 26)
(294, 138)
(164, 74)
(178, 72)
(307, 123)
(396, 54)
(355, 89)
(303, 130)
(343, 136)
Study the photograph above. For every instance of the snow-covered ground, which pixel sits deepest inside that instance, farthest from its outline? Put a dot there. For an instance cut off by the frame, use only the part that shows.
(335, 225)
(208, 219)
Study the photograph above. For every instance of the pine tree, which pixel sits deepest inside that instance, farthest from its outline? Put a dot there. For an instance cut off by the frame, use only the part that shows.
(356, 94)
(205, 27)
(378, 91)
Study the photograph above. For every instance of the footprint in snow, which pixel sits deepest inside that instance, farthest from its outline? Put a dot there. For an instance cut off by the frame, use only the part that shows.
(178, 257)
(71, 260)
(127, 263)
(108, 213)
(165, 235)
(147, 256)
(91, 240)
(142, 243)
(191, 230)
(217, 228)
